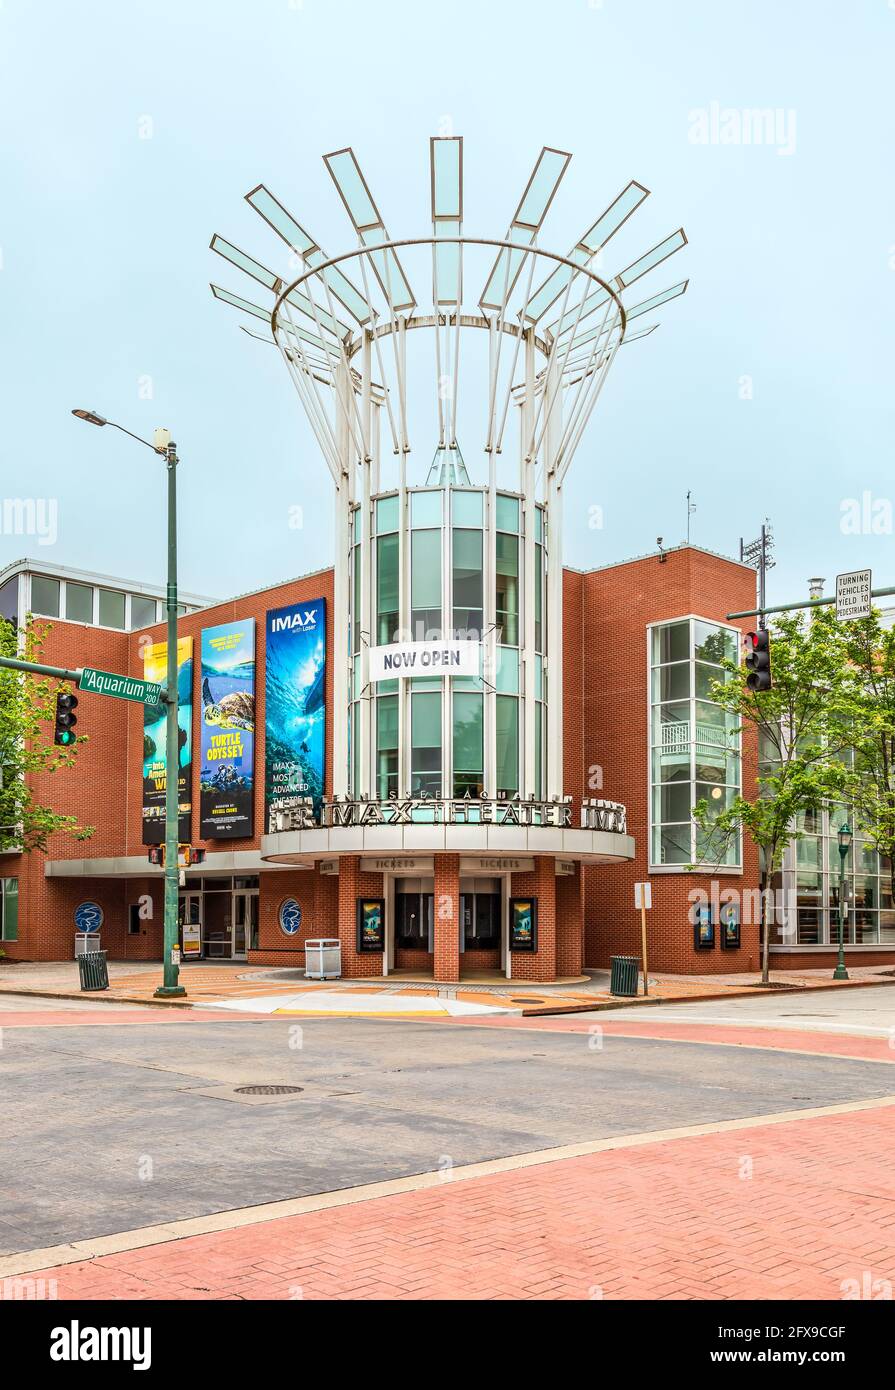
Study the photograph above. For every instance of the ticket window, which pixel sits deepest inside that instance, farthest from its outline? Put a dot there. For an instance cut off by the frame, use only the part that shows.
(480, 914)
(414, 915)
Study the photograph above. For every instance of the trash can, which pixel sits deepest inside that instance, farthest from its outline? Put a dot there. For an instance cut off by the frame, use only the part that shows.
(623, 980)
(323, 958)
(93, 970)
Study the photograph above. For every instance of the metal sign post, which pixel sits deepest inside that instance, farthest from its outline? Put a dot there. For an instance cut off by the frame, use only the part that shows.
(643, 898)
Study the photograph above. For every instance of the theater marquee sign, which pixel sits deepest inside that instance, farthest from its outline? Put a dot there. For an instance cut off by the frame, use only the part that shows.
(595, 814)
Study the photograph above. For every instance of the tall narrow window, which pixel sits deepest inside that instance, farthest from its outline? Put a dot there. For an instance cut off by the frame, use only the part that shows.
(695, 746)
(507, 716)
(425, 743)
(425, 584)
(469, 747)
(9, 909)
(387, 746)
(387, 588)
(468, 590)
(508, 588)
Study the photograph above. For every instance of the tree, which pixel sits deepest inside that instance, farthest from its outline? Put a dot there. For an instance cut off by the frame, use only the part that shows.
(802, 729)
(27, 704)
(871, 714)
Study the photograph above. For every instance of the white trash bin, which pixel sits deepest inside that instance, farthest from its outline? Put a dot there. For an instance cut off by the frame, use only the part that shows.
(323, 958)
(86, 941)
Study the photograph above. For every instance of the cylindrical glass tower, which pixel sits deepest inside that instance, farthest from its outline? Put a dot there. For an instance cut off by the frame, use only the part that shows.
(451, 562)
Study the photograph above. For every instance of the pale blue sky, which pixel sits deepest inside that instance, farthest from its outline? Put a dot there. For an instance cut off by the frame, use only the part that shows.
(105, 260)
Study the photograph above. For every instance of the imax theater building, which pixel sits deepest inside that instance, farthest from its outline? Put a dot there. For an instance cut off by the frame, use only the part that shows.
(448, 750)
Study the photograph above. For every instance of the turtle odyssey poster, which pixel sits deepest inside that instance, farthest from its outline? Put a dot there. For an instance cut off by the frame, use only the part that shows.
(294, 706)
(227, 769)
(155, 668)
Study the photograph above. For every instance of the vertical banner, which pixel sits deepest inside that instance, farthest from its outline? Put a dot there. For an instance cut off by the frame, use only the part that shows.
(155, 668)
(294, 706)
(226, 780)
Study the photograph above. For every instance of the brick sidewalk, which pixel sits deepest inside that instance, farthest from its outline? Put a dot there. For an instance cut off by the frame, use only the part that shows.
(789, 1211)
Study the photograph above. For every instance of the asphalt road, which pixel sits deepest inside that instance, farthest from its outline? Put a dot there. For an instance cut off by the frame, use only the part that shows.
(105, 1129)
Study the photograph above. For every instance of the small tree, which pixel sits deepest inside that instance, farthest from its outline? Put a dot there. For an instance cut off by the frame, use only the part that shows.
(801, 727)
(27, 704)
(871, 715)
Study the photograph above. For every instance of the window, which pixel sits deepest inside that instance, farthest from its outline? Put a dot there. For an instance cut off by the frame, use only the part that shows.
(425, 584)
(507, 716)
(9, 909)
(508, 588)
(425, 747)
(134, 919)
(468, 590)
(695, 747)
(469, 747)
(9, 600)
(79, 602)
(111, 609)
(480, 915)
(44, 596)
(386, 746)
(387, 588)
(142, 611)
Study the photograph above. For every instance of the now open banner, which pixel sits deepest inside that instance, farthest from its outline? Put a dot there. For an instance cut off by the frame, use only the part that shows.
(448, 658)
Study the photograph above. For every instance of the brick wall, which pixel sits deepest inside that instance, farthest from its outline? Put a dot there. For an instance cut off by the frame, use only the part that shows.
(617, 605)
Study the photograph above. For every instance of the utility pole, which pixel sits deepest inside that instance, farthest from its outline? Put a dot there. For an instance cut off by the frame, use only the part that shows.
(759, 554)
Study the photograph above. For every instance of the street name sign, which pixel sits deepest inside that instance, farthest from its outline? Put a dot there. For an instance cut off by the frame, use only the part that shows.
(122, 687)
(853, 595)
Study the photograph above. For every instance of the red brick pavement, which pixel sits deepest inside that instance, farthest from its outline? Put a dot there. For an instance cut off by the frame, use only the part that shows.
(776, 1211)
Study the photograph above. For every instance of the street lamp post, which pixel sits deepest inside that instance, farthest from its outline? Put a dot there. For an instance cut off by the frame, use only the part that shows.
(844, 837)
(165, 446)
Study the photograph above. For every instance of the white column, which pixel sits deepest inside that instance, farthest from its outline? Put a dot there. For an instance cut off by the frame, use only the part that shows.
(341, 604)
(554, 614)
(527, 484)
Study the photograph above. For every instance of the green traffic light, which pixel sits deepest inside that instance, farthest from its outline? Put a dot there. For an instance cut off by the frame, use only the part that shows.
(66, 737)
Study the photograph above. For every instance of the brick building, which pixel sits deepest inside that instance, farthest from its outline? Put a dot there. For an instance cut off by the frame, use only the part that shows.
(643, 736)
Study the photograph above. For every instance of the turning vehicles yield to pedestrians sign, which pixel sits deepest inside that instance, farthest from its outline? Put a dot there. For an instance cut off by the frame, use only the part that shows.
(853, 595)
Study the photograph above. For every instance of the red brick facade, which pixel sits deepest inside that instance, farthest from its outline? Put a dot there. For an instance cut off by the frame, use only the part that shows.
(583, 918)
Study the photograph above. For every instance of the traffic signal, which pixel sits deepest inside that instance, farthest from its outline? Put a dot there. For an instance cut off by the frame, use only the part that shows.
(758, 659)
(66, 719)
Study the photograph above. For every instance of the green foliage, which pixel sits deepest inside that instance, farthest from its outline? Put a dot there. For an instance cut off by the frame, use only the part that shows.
(27, 705)
(871, 717)
(803, 730)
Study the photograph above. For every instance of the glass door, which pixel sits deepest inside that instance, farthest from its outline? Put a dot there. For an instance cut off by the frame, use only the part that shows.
(190, 921)
(245, 923)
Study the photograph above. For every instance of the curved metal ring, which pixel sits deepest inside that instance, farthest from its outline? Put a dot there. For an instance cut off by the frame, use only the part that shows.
(447, 241)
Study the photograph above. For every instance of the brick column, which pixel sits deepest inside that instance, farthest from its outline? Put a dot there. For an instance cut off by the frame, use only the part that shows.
(570, 924)
(540, 884)
(447, 918)
(353, 883)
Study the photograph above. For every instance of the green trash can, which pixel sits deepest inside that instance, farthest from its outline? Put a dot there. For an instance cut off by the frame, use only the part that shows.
(623, 980)
(93, 970)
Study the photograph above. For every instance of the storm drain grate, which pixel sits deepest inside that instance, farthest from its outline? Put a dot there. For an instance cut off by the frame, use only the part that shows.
(267, 1090)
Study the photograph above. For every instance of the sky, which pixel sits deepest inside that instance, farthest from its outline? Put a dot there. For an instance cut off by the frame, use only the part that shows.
(134, 128)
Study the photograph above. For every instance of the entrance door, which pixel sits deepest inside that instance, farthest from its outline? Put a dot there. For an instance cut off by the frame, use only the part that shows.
(245, 923)
(190, 922)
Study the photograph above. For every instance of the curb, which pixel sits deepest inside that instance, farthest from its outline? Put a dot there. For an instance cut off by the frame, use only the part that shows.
(539, 1011)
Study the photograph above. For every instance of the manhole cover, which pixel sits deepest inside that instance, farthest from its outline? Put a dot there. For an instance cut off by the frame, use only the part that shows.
(267, 1090)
